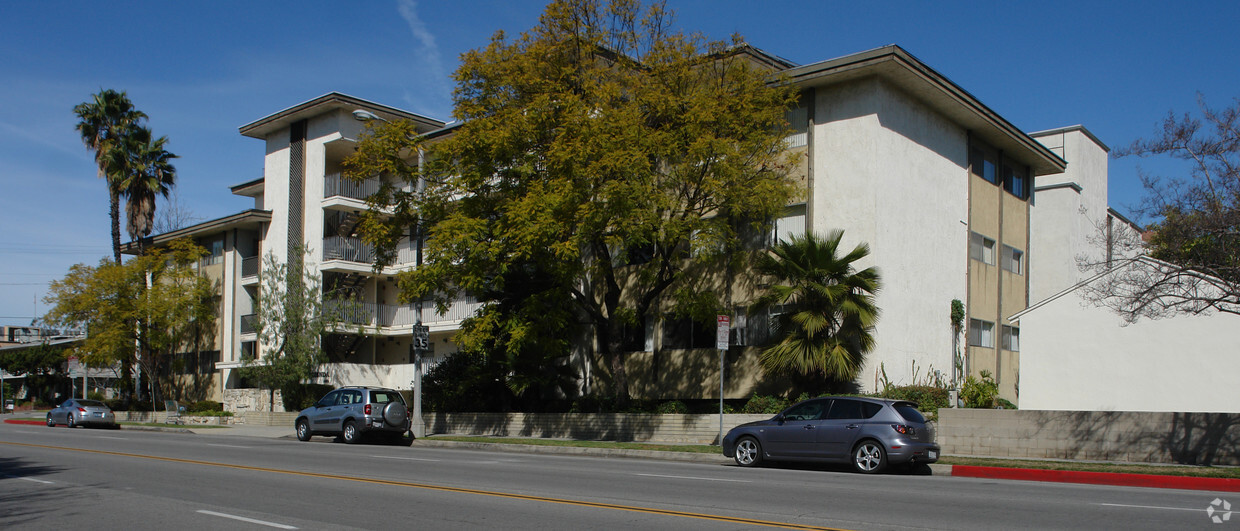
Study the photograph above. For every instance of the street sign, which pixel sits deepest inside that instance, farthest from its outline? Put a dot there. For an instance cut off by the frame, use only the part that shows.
(722, 331)
(421, 337)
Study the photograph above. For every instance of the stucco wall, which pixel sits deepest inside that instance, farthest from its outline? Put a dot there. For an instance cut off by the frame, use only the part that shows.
(1077, 356)
(1188, 438)
(891, 173)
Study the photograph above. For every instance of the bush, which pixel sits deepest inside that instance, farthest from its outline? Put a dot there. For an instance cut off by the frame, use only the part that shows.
(764, 404)
(300, 396)
(979, 393)
(672, 407)
(92, 395)
(1004, 404)
(928, 398)
(203, 406)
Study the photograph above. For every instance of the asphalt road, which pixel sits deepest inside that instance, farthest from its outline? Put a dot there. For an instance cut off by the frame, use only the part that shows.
(56, 478)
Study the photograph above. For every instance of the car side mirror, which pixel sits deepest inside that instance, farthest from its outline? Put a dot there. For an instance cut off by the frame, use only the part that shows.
(779, 418)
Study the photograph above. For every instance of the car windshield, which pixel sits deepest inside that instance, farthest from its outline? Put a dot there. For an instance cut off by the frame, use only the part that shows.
(383, 397)
(90, 403)
(908, 410)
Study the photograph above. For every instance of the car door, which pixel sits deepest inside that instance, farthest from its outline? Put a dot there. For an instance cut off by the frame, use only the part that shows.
(321, 415)
(795, 436)
(843, 422)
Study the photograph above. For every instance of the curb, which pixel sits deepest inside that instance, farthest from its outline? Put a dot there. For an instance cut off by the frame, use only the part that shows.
(577, 450)
(1099, 478)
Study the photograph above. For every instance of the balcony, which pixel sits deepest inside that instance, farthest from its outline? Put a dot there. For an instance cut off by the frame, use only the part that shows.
(401, 316)
(335, 185)
(348, 249)
(249, 267)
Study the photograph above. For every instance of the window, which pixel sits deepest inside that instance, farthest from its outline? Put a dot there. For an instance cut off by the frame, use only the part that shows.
(791, 224)
(981, 333)
(1011, 338)
(1013, 260)
(1015, 181)
(798, 125)
(217, 253)
(685, 333)
(981, 248)
(638, 337)
(811, 410)
(982, 164)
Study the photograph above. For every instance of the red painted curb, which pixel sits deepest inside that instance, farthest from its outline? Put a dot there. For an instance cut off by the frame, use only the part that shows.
(25, 421)
(1099, 478)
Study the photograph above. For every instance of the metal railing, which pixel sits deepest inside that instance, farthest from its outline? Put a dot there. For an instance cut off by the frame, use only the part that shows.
(349, 249)
(391, 315)
(249, 267)
(335, 185)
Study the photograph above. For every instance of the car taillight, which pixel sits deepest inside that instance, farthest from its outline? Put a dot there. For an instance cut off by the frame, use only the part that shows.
(81, 410)
(904, 429)
(367, 409)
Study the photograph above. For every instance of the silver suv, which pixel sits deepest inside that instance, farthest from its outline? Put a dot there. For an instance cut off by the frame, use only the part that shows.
(351, 412)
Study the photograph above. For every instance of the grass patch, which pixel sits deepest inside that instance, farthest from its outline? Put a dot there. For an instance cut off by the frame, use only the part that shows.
(170, 425)
(684, 448)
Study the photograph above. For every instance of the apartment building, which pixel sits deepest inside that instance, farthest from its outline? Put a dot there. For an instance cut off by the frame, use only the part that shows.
(941, 187)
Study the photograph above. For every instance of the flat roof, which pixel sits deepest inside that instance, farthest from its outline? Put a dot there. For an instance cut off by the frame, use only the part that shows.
(249, 218)
(333, 100)
(896, 65)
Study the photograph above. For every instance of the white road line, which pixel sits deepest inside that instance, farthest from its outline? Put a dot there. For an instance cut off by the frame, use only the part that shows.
(695, 478)
(30, 479)
(1201, 510)
(405, 458)
(227, 445)
(117, 438)
(244, 519)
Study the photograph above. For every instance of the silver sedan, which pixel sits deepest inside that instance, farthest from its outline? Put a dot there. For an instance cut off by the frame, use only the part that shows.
(76, 412)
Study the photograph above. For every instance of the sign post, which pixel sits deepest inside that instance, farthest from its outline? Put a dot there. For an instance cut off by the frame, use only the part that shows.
(723, 328)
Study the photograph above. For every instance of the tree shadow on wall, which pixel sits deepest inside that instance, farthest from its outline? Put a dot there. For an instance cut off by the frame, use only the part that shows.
(1204, 439)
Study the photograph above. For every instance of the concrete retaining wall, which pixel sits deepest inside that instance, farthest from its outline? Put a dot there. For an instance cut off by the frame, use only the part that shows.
(1148, 437)
(161, 416)
(683, 429)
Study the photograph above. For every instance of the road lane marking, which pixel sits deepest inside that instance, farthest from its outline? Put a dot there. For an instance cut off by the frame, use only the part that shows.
(249, 520)
(1151, 507)
(109, 437)
(405, 458)
(228, 445)
(30, 479)
(694, 478)
(454, 490)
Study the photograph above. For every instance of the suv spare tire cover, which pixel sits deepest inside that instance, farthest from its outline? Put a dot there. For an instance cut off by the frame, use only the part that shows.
(395, 413)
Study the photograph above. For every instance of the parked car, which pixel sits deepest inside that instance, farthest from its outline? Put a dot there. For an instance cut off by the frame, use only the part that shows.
(870, 433)
(76, 412)
(352, 412)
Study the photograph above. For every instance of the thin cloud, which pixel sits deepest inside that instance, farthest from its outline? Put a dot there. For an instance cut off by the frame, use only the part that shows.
(425, 47)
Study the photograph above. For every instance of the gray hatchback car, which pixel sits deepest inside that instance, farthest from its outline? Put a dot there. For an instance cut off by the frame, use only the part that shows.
(869, 433)
(351, 412)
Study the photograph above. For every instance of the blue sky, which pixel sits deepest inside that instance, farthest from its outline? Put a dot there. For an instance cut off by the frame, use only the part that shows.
(202, 69)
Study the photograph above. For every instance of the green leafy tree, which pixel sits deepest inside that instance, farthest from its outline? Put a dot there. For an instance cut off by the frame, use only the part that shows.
(1194, 238)
(43, 366)
(292, 316)
(104, 123)
(123, 315)
(826, 309)
(614, 155)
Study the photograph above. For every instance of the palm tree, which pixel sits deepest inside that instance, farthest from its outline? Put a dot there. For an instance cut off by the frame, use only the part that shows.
(826, 325)
(148, 171)
(103, 123)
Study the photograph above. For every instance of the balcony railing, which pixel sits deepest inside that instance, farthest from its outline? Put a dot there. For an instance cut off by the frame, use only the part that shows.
(391, 315)
(249, 323)
(249, 267)
(335, 185)
(349, 249)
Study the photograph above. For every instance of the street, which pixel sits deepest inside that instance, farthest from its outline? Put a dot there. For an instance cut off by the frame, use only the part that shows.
(57, 477)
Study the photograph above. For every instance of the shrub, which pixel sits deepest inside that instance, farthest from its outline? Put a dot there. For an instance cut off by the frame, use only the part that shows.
(95, 395)
(672, 407)
(764, 404)
(299, 396)
(1003, 403)
(203, 406)
(979, 393)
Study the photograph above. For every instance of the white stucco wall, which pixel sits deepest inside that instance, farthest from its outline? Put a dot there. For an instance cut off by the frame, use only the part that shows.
(1079, 357)
(892, 173)
(1066, 222)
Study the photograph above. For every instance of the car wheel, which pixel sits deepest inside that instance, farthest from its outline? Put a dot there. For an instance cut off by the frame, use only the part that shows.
(350, 433)
(748, 452)
(69, 421)
(869, 457)
(303, 430)
(50, 423)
